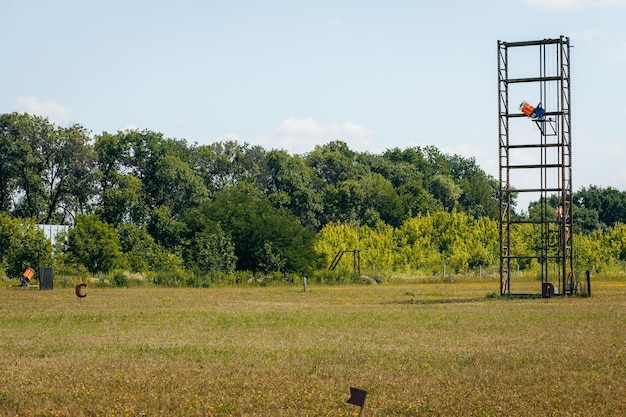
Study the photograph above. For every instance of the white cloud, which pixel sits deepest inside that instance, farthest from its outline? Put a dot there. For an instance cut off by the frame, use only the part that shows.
(130, 128)
(299, 136)
(572, 4)
(50, 108)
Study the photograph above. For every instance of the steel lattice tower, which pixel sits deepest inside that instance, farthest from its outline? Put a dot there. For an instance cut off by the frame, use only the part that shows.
(536, 156)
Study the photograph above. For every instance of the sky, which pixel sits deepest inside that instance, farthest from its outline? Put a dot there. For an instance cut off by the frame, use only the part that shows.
(295, 74)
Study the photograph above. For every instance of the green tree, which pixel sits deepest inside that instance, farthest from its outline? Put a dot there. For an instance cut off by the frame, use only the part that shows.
(224, 164)
(11, 132)
(343, 202)
(479, 192)
(609, 202)
(444, 189)
(380, 196)
(211, 250)
(123, 201)
(122, 197)
(22, 244)
(334, 163)
(289, 183)
(252, 221)
(93, 244)
(166, 230)
(52, 168)
(140, 251)
(30, 135)
(416, 199)
(592, 251)
(165, 168)
(409, 164)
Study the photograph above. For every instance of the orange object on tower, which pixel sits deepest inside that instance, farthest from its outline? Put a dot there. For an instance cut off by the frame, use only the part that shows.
(527, 108)
(532, 111)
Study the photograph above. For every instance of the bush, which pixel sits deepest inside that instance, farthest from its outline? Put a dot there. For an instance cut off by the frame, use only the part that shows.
(120, 279)
(174, 278)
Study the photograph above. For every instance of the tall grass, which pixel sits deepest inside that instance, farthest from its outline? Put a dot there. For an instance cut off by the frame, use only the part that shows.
(428, 348)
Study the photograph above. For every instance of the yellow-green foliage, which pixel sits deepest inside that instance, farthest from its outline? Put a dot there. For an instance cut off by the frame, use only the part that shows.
(424, 243)
(453, 239)
(430, 243)
(376, 246)
(601, 251)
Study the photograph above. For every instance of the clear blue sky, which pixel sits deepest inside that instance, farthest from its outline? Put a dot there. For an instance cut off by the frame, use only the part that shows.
(293, 74)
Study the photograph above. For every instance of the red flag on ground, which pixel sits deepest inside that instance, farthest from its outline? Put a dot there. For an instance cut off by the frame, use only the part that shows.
(357, 397)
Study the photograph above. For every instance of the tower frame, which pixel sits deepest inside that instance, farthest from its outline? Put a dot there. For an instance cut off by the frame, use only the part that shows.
(541, 160)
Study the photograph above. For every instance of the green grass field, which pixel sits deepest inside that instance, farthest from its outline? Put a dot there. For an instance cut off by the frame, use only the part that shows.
(418, 349)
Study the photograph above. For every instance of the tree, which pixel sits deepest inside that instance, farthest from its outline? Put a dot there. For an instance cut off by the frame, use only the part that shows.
(377, 246)
(223, 164)
(10, 132)
(211, 250)
(68, 173)
(334, 163)
(417, 200)
(165, 169)
(166, 230)
(380, 196)
(343, 202)
(22, 245)
(52, 166)
(252, 222)
(609, 202)
(93, 244)
(412, 161)
(139, 249)
(30, 134)
(289, 183)
(121, 192)
(443, 188)
(479, 192)
(123, 201)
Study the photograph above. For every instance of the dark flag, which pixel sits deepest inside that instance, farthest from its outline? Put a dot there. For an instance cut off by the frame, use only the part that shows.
(357, 397)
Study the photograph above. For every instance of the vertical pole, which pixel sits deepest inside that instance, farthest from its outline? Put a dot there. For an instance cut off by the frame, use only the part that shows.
(588, 283)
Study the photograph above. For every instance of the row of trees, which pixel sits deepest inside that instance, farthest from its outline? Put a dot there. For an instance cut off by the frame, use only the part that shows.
(50, 174)
(141, 202)
(423, 245)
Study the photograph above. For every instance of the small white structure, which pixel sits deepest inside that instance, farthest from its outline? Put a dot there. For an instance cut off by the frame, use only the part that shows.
(52, 231)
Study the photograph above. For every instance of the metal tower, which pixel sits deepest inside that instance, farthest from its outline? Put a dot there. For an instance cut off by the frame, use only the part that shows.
(536, 161)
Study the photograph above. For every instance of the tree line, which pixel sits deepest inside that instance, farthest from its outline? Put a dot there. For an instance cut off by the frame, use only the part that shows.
(145, 203)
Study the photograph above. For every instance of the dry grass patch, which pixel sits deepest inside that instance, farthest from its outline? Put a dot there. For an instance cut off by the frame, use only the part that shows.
(276, 351)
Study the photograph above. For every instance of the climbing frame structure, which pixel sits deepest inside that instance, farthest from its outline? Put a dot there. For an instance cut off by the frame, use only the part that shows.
(535, 162)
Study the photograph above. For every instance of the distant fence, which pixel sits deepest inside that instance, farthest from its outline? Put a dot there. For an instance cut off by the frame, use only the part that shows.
(52, 230)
